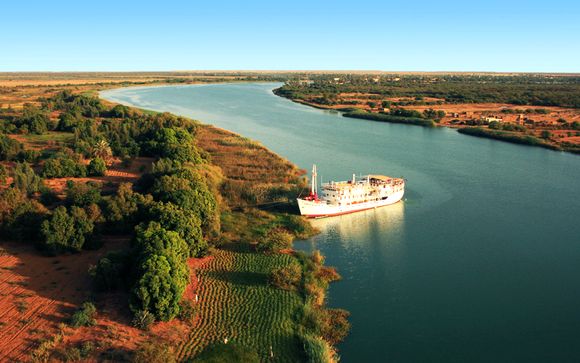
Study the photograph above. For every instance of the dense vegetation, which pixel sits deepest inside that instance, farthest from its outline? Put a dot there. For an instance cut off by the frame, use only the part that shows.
(515, 138)
(541, 90)
(390, 118)
(180, 207)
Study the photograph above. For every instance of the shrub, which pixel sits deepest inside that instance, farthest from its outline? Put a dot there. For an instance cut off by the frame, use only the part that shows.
(111, 270)
(62, 165)
(64, 231)
(85, 316)
(331, 324)
(83, 194)
(48, 196)
(154, 352)
(3, 174)
(143, 319)
(33, 120)
(187, 310)
(124, 210)
(275, 240)
(287, 277)
(318, 350)
(9, 148)
(26, 179)
(97, 167)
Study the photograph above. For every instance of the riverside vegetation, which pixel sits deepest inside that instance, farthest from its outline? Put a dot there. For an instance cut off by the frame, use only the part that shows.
(531, 109)
(202, 194)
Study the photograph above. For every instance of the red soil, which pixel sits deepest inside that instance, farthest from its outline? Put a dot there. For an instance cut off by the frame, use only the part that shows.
(38, 294)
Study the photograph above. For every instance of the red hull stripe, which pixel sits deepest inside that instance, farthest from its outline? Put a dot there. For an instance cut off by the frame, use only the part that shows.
(339, 214)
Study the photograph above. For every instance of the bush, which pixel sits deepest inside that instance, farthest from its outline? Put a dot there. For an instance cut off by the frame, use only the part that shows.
(331, 324)
(48, 196)
(154, 352)
(97, 167)
(110, 272)
(64, 231)
(125, 209)
(9, 148)
(287, 277)
(187, 310)
(3, 174)
(83, 194)
(143, 319)
(85, 316)
(62, 165)
(275, 241)
(318, 350)
(26, 179)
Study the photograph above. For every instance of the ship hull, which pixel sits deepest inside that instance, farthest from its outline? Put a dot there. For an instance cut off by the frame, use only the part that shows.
(319, 209)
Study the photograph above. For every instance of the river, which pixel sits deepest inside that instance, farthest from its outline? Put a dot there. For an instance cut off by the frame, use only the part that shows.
(481, 260)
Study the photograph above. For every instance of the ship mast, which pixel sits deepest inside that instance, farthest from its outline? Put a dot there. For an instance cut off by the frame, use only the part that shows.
(314, 181)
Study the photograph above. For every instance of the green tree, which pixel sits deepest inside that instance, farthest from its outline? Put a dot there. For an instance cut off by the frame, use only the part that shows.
(152, 238)
(83, 194)
(546, 134)
(125, 209)
(64, 231)
(26, 179)
(97, 167)
(184, 222)
(9, 148)
(189, 191)
(3, 174)
(62, 165)
(160, 286)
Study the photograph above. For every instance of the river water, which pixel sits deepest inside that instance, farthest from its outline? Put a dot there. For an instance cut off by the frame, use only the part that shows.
(481, 260)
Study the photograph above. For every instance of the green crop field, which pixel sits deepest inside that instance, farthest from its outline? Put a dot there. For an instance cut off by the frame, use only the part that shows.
(236, 302)
(51, 138)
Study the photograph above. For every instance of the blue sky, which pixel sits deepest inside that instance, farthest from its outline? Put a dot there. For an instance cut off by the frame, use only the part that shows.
(390, 35)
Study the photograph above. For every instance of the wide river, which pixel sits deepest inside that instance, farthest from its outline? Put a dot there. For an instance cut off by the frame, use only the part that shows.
(480, 262)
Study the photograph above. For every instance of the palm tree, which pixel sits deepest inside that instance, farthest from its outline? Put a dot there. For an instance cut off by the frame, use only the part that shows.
(103, 150)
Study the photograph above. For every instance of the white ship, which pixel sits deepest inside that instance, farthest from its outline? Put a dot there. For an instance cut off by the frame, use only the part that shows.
(370, 191)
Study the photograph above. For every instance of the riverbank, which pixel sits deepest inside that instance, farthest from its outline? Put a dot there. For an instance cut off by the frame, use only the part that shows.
(411, 264)
(555, 128)
(237, 298)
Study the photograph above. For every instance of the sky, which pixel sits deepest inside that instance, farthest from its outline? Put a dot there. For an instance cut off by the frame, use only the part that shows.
(388, 35)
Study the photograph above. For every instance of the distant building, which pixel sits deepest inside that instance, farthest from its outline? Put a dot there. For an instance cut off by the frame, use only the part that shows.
(491, 118)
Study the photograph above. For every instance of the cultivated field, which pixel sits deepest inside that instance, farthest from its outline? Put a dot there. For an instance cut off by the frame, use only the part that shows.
(236, 303)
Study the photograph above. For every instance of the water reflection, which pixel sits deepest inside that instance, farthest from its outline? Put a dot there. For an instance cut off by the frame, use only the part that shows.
(369, 238)
(357, 228)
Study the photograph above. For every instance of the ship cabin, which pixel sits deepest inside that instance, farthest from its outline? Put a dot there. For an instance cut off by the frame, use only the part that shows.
(369, 188)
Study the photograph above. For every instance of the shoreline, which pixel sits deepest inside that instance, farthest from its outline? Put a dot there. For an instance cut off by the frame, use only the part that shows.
(512, 138)
(309, 302)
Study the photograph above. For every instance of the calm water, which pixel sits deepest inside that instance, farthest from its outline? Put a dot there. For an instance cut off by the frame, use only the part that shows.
(481, 262)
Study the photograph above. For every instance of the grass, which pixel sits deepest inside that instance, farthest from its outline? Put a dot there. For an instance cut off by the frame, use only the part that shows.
(47, 140)
(512, 137)
(237, 303)
(393, 119)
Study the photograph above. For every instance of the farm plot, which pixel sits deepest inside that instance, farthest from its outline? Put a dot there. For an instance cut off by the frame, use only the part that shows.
(236, 303)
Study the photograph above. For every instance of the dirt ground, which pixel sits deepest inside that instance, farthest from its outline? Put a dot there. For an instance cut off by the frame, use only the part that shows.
(38, 295)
